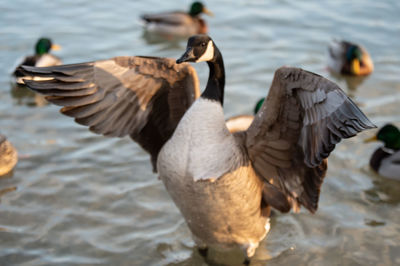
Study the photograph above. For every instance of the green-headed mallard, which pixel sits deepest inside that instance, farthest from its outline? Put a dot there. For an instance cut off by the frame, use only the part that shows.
(386, 160)
(178, 23)
(8, 156)
(349, 59)
(224, 184)
(41, 58)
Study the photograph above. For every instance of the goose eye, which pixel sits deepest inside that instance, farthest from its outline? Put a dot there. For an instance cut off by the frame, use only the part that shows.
(203, 44)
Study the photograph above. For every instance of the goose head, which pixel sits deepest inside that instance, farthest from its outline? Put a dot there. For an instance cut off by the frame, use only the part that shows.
(199, 48)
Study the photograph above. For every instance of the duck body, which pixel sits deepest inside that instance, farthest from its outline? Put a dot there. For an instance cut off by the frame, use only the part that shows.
(44, 60)
(239, 123)
(386, 162)
(8, 156)
(211, 197)
(349, 59)
(242, 122)
(177, 23)
(41, 58)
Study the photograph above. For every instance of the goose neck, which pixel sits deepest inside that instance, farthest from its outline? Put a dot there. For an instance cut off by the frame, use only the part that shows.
(216, 80)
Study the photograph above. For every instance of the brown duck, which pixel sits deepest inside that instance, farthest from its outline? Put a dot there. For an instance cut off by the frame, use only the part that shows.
(8, 156)
(178, 23)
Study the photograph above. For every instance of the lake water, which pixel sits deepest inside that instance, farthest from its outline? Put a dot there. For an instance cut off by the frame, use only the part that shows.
(76, 198)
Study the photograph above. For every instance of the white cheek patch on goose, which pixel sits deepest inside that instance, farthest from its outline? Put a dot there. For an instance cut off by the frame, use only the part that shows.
(208, 54)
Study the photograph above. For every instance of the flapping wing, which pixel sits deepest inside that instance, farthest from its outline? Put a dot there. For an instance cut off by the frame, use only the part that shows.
(302, 119)
(143, 97)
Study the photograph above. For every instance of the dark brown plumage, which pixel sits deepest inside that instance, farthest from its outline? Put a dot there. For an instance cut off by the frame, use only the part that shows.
(143, 97)
(301, 120)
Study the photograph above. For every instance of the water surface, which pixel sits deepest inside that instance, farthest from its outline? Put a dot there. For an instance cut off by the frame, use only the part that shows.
(76, 198)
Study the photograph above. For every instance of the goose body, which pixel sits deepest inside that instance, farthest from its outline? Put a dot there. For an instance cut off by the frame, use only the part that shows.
(349, 59)
(177, 23)
(204, 191)
(41, 58)
(8, 156)
(386, 160)
(223, 183)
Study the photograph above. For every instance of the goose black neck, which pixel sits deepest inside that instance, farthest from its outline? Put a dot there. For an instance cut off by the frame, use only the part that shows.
(216, 80)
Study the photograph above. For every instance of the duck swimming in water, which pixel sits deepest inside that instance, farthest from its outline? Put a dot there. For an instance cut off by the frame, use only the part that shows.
(242, 122)
(224, 184)
(349, 59)
(41, 58)
(8, 156)
(178, 23)
(386, 160)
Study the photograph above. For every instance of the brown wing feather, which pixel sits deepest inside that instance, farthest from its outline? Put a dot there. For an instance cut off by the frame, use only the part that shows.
(143, 97)
(301, 120)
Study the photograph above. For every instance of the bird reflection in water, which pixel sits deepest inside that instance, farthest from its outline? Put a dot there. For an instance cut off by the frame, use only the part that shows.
(352, 82)
(24, 96)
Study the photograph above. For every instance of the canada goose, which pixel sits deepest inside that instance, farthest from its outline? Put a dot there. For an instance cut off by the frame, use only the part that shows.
(8, 156)
(178, 23)
(386, 160)
(242, 122)
(349, 59)
(223, 183)
(41, 58)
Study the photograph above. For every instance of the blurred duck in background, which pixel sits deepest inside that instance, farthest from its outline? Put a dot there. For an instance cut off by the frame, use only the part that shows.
(41, 58)
(178, 23)
(8, 156)
(386, 160)
(349, 59)
(242, 122)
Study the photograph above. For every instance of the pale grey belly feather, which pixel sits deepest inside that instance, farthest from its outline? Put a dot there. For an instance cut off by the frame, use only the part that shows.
(211, 181)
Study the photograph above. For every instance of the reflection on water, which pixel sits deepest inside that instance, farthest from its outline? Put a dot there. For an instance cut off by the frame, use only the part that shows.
(374, 223)
(24, 96)
(352, 82)
(84, 199)
(384, 191)
(169, 40)
(6, 190)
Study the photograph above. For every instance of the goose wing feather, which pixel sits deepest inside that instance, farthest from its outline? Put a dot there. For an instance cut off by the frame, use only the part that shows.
(302, 119)
(143, 97)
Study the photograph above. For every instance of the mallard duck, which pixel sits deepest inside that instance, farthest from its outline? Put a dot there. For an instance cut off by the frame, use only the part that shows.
(224, 184)
(178, 23)
(349, 59)
(242, 122)
(41, 58)
(8, 156)
(386, 160)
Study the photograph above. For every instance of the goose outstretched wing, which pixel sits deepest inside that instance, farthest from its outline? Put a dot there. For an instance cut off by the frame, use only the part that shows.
(143, 97)
(302, 119)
